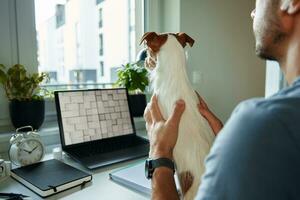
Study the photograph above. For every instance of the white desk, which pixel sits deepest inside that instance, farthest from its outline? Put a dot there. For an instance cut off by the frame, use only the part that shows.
(100, 187)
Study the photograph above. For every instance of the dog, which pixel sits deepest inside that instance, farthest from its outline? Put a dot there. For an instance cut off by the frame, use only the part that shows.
(170, 82)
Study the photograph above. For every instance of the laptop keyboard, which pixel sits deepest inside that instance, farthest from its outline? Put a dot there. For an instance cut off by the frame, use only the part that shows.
(109, 145)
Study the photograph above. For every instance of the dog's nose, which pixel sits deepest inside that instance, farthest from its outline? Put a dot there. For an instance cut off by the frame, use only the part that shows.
(150, 63)
(142, 55)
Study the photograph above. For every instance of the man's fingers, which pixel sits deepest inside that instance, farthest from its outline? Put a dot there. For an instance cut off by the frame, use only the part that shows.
(202, 107)
(147, 117)
(147, 114)
(203, 111)
(201, 101)
(155, 111)
(174, 119)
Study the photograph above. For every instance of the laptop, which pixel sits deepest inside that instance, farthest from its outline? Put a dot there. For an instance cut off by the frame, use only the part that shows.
(96, 127)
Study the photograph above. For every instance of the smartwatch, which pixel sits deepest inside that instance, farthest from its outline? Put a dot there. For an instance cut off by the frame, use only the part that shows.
(152, 164)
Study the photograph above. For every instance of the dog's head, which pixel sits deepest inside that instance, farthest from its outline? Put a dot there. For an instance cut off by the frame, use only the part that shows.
(155, 41)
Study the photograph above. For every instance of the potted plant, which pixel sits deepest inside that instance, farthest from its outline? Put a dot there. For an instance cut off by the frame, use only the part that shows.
(134, 77)
(26, 99)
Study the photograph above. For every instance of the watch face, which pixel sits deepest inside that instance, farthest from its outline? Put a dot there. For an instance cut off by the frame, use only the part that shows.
(30, 151)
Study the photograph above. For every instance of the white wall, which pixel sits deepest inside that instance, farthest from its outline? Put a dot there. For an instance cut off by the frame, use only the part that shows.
(170, 16)
(223, 65)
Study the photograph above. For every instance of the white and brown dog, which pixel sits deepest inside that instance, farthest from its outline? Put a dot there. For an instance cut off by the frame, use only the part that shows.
(170, 82)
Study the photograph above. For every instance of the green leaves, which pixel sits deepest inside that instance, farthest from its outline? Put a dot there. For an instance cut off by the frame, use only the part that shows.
(20, 85)
(133, 76)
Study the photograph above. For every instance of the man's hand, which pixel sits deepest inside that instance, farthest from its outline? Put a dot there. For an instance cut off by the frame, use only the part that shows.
(214, 122)
(162, 133)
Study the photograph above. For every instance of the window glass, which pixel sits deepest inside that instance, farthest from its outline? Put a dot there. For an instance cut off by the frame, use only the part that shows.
(81, 43)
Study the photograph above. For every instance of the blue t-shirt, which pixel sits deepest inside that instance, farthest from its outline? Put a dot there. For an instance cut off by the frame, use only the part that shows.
(256, 156)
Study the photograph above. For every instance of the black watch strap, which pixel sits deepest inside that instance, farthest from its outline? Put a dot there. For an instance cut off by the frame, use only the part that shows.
(151, 165)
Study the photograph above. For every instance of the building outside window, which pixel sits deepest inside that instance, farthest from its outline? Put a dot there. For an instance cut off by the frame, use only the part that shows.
(83, 76)
(77, 43)
(101, 44)
(52, 77)
(80, 37)
(60, 15)
(101, 68)
(100, 18)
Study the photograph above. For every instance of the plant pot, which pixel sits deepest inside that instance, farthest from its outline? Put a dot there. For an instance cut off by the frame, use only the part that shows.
(24, 113)
(137, 103)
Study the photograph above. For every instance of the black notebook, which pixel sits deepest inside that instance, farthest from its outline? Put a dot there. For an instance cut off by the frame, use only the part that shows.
(50, 177)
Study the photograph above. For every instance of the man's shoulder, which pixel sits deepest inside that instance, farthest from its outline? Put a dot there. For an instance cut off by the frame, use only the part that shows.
(282, 108)
(255, 111)
(256, 122)
(284, 100)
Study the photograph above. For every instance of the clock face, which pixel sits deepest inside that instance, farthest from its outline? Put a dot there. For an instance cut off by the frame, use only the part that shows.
(30, 151)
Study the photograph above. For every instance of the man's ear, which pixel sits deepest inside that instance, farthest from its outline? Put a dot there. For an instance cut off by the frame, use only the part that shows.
(290, 6)
(154, 41)
(183, 38)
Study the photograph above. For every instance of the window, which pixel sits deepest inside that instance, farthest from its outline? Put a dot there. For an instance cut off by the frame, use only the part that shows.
(100, 18)
(101, 44)
(99, 1)
(101, 68)
(55, 23)
(60, 15)
(275, 80)
(85, 44)
(83, 76)
(52, 77)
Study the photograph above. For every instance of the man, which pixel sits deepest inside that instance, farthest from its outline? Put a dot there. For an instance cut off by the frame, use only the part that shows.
(257, 153)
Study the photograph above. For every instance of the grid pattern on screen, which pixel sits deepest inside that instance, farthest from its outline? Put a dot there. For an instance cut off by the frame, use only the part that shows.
(94, 115)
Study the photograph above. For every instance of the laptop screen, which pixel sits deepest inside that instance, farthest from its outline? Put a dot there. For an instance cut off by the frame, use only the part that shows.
(93, 114)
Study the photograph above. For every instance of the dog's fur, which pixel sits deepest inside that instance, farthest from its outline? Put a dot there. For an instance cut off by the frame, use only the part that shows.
(170, 83)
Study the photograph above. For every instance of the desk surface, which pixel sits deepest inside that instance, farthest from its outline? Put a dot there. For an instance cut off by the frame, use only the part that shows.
(100, 187)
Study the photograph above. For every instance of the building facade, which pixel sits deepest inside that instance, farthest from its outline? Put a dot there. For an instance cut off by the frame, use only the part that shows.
(84, 41)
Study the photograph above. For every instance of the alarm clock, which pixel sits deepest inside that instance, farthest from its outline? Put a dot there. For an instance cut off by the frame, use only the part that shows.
(26, 147)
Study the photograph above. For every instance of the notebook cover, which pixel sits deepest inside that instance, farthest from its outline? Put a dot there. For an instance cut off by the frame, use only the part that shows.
(49, 174)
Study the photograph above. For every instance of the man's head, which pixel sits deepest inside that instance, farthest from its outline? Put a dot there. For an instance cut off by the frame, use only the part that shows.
(274, 24)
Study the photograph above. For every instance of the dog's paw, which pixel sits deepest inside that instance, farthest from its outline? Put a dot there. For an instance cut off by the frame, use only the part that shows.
(186, 181)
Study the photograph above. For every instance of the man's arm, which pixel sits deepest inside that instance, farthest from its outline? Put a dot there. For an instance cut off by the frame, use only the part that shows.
(163, 184)
(163, 137)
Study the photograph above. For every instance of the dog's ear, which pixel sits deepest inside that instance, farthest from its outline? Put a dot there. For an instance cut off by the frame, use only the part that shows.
(154, 41)
(183, 38)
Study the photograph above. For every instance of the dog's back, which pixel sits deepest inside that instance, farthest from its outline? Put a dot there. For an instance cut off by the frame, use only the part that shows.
(170, 82)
